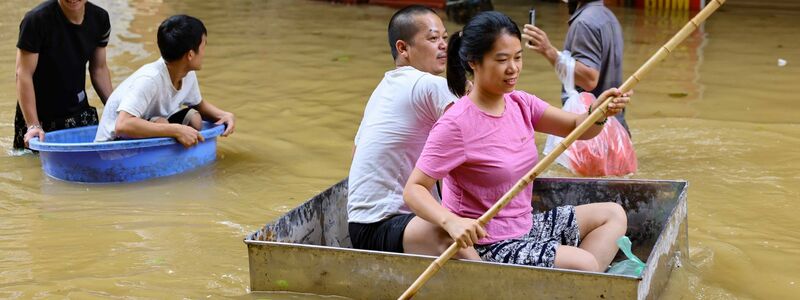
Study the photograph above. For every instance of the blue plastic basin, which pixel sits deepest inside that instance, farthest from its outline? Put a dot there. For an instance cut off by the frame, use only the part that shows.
(72, 155)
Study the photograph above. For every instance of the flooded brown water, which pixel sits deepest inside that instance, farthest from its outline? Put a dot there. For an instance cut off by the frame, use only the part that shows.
(719, 113)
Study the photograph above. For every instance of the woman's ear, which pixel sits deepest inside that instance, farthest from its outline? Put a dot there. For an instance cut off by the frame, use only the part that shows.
(471, 65)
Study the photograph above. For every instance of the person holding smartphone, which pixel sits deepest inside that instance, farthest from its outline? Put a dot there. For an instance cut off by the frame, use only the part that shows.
(594, 40)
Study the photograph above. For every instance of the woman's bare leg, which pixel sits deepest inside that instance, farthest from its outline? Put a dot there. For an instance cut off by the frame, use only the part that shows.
(600, 225)
(574, 258)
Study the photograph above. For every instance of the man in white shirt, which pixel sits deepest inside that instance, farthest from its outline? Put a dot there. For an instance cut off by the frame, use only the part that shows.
(148, 103)
(397, 119)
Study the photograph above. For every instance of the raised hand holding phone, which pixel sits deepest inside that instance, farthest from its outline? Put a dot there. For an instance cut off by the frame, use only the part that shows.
(532, 16)
(532, 21)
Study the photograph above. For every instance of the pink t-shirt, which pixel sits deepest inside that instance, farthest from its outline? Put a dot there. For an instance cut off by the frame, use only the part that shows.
(481, 157)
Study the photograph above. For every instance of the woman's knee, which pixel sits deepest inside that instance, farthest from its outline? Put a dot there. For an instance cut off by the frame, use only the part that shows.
(617, 213)
(594, 215)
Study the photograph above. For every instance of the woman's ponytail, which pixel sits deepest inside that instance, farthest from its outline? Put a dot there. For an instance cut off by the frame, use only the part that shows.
(456, 73)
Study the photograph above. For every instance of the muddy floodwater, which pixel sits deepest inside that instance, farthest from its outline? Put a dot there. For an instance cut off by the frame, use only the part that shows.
(719, 112)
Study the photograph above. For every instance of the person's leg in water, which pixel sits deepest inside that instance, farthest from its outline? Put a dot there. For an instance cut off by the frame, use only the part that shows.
(600, 225)
(421, 237)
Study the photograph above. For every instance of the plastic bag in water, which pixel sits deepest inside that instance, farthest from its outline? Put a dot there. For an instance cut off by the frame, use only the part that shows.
(632, 266)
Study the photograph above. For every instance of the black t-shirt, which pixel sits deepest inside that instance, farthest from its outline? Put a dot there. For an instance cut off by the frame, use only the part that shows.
(64, 49)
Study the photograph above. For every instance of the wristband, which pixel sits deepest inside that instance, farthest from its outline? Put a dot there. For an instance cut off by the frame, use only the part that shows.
(600, 123)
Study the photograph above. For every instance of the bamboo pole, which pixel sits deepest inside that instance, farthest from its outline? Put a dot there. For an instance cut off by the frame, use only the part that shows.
(662, 53)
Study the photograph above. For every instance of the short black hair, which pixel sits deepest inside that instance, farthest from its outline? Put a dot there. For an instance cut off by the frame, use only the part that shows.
(402, 27)
(178, 34)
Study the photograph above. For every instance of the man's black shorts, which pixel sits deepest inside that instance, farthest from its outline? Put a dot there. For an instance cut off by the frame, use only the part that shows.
(183, 116)
(386, 235)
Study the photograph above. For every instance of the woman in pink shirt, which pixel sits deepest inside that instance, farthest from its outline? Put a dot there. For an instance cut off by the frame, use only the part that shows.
(485, 143)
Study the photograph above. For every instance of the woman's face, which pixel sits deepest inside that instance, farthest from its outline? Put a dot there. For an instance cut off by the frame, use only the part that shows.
(499, 69)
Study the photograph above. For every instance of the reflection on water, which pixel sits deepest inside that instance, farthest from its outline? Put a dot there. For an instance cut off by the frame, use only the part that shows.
(126, 44)
(719, 112)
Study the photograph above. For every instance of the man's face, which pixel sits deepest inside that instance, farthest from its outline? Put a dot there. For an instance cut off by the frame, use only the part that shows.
(72, 5)
(428, 49)
(196, 62)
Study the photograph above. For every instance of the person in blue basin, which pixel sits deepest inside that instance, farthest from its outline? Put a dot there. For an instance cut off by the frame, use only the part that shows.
(149, 102)
(56, 40)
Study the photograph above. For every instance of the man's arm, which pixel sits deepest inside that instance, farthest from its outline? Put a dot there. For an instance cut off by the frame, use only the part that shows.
(216, 115)
(26, 65)
(130, 126)
(100, 75)
(585, 77)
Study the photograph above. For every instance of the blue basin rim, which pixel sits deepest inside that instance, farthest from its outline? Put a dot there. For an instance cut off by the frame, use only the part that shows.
(208, 133)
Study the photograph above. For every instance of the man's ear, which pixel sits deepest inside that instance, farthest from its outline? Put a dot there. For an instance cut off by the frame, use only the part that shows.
(402, 48)
(190, 55)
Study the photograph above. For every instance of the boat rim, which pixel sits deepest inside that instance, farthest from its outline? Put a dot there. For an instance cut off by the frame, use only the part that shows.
(586, 273)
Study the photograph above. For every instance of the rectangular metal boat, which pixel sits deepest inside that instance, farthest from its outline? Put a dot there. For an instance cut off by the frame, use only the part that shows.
(308, 250)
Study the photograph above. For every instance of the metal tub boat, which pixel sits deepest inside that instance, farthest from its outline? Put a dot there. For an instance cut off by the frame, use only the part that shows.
(308, 250)
(72, 155)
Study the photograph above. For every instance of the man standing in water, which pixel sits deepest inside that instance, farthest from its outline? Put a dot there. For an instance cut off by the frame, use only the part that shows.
(56, 40)
(594, 40)
(397, 119)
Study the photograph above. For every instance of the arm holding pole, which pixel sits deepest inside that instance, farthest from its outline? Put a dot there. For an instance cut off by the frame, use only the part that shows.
(547, 160)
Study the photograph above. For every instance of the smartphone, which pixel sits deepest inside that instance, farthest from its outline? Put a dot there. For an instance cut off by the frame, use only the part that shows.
(532, 20)
(532, 17)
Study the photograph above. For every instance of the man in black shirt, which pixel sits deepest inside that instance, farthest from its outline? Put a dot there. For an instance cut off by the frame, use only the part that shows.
(56, 40)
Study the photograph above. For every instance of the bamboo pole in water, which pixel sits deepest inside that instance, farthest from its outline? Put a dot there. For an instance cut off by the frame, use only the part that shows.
(662, 53)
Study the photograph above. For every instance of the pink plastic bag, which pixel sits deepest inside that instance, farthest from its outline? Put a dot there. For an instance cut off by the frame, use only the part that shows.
(609, 153)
